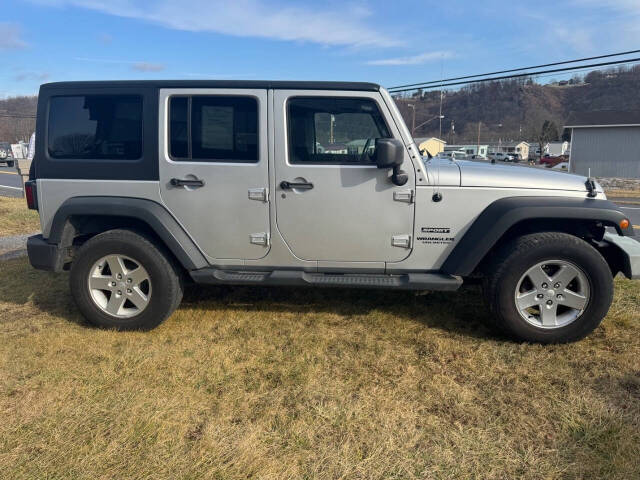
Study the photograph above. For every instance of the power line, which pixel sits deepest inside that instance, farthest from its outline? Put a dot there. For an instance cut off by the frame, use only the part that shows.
(520, 75)
(515, 70)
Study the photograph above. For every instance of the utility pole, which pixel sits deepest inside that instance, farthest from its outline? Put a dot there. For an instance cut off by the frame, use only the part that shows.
(413, 119)
(332, 120)
(441, 117)
(478, 146)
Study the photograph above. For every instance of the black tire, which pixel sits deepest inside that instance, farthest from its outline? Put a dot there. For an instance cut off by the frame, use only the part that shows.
(165, 278)
(10, 163)
(508, 266)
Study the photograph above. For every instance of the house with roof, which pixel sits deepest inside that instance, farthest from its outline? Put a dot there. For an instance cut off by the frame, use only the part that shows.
(605, 143)
(431, 145)
(469, 149)
(512, 147)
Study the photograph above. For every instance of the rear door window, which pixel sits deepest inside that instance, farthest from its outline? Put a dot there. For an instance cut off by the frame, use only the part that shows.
(98, 127)
(205, 128)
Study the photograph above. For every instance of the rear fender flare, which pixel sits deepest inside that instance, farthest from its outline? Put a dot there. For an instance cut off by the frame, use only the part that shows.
(149, 212)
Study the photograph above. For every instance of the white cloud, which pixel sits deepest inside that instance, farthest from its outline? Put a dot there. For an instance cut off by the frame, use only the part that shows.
(346, 25)
(147, 67)
(591, 21)
(31, 76)
(412, 60)
(581, 40)
(10, 37)
(629, 6)
(138, 65)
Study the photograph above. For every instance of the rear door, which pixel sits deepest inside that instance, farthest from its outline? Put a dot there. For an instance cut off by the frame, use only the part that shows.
(214, 168)
(337, 206)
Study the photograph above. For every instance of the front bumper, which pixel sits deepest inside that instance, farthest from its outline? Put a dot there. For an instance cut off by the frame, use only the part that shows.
(629, 250)
(44, 255)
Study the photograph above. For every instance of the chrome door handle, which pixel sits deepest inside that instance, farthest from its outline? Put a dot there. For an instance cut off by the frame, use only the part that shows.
(299, 185)
(188, 182)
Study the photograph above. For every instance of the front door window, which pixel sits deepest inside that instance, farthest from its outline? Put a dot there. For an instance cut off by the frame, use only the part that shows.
(340, 131)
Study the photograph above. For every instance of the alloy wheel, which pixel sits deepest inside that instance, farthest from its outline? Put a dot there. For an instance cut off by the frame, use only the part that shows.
(119, 286)
(552, 294)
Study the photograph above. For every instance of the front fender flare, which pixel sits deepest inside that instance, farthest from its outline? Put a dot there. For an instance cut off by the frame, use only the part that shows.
(501, 215)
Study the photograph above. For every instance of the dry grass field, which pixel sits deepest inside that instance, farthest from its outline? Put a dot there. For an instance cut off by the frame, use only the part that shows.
(16, 218)
(291, 383)
(623, 193)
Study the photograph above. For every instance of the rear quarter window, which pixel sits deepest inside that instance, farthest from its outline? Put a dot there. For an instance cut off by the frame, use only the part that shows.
(95, 127)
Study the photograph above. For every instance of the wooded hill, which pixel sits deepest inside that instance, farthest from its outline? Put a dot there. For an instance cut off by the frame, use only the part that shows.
(517, 109)
(13, 124)
(520, 106)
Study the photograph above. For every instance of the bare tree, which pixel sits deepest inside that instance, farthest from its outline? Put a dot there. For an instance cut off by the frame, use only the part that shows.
(17, 118)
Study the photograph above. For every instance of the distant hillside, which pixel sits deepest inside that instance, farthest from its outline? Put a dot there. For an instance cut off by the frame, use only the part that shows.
(12, 127)
(520, 106)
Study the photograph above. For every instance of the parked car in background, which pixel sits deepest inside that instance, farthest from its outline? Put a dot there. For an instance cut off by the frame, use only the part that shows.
(551, 161)
(479, 157)
(514, 157)
(6, 156)
(454, 155)
(499, 156)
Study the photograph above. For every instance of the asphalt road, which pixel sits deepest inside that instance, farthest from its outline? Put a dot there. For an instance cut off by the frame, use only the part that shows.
(633, 213)
(10, 184)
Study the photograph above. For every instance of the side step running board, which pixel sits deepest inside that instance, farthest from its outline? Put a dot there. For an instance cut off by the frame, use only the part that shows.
(407, 281)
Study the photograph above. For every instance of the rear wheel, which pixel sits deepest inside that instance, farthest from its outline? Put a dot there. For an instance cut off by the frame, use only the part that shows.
(549, 287)
(120, 279)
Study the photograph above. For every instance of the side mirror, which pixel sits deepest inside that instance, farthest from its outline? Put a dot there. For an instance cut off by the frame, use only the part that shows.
(389, 153)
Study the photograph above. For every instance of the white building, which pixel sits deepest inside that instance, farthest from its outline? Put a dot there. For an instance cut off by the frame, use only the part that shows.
(605, 143)
(469, 149)
(557, 149)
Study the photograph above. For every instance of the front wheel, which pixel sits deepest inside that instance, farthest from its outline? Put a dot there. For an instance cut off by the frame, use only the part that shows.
(120, 279)
(549, 288)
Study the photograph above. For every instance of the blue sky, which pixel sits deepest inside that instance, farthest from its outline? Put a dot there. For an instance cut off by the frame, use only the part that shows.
(389, 42)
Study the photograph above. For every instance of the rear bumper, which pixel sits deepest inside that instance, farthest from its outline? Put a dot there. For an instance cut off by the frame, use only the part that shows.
(629, 250)
(44, 255)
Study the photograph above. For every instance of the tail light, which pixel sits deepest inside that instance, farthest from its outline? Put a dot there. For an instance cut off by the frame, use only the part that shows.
(31, 194)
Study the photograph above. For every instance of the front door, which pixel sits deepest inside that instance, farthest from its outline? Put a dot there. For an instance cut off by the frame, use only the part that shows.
(332, 203)
(214, 168)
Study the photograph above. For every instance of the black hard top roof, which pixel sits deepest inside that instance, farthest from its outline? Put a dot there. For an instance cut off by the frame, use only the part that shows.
(262, 84)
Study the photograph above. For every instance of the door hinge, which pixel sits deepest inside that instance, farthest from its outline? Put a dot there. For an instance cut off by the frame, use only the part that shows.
(403, 241)
(261, 238)
(259, 194)
(404, 196)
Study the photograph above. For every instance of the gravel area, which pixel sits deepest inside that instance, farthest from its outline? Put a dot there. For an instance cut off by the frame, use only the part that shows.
(14, 246)
(619, 183)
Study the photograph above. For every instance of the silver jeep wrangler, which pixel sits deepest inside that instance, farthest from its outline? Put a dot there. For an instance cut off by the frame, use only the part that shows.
(141, 185)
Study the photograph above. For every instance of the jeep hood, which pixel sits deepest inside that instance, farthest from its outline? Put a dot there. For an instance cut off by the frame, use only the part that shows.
(476, 174)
